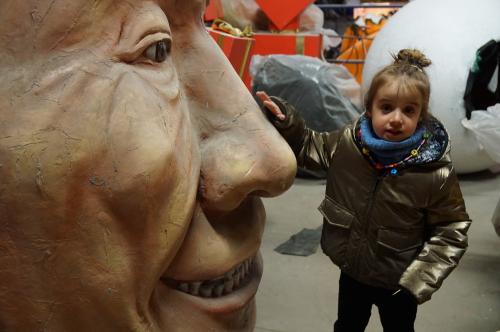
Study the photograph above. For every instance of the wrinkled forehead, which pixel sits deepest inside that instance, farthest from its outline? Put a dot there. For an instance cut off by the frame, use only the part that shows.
(41, 22)
(48, 10)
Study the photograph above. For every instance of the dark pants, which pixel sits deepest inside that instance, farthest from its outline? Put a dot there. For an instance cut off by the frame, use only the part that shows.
(397, 312)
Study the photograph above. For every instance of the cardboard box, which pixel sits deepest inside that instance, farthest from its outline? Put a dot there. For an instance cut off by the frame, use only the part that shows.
(238, 50)
(288, 43)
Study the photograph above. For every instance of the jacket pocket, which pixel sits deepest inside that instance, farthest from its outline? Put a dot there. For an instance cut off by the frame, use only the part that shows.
(337, 224)
(398, 240)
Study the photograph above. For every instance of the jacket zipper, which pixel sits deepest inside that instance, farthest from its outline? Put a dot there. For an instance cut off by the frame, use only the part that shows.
(369, 209)
(364, 228)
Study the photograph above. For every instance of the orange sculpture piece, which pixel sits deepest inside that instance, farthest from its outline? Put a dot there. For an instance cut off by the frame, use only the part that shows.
(355, 45)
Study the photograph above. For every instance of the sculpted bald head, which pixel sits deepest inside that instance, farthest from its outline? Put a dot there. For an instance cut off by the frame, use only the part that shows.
(131, 159)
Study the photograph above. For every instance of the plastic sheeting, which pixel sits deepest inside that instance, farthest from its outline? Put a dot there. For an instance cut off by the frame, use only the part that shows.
(486, 128)
(312, 19)
(326, 95)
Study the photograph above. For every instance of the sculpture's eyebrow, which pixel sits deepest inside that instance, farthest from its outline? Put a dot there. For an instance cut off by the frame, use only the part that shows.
(142, 19)
(186, 3)
(152, 30)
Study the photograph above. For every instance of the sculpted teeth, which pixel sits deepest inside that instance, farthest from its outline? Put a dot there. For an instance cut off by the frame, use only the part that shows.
(217, 287)
(228, 286)
(194, 287)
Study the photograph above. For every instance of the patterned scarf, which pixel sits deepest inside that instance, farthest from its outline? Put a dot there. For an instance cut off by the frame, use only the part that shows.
(387, 152)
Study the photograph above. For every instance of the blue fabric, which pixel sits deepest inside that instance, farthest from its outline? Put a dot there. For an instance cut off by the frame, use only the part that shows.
(388, 152)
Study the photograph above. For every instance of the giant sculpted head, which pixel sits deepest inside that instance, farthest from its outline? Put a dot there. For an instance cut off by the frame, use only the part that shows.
(131, 164)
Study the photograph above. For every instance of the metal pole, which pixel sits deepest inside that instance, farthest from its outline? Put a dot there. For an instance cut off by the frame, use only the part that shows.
(337, 6)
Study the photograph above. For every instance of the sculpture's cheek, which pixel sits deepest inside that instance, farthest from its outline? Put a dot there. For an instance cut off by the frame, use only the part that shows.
(101, 176)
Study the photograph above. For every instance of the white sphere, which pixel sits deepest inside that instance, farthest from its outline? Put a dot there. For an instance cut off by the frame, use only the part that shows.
(448, 32)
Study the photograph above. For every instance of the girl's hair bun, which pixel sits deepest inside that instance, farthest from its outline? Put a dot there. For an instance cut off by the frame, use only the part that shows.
(412, 57)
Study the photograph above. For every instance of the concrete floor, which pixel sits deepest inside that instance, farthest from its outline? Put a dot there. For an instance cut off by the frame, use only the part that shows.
(299, 294)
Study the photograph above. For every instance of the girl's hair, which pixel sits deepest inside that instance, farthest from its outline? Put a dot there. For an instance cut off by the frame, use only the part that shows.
(408, 70)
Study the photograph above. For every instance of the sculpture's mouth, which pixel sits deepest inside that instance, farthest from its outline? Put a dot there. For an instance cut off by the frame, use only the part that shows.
(228, 293)
(236, 278)
(218, 270)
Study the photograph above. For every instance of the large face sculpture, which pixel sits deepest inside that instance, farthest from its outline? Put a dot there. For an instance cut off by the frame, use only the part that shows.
(131, 163)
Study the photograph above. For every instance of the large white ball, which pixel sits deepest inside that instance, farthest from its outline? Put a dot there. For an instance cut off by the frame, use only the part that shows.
(448, 32)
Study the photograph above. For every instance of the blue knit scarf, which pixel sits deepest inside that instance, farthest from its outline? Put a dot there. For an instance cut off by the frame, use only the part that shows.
(387, 152)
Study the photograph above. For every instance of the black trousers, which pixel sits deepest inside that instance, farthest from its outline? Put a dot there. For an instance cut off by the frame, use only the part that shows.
(397, 312)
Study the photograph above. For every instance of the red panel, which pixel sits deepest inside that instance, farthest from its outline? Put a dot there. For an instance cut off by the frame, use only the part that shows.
(273, 43)
(293, 25)
(282, 13)
(214, 10)
(238, 50)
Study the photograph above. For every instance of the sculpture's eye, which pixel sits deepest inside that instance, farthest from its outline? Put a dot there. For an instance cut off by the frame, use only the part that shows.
(158, 51)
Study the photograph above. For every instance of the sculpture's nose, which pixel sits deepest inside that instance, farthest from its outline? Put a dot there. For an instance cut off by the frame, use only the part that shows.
(242, 154)
(247, 159)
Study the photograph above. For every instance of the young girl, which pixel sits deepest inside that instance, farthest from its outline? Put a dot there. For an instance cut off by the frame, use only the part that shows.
(394, 217)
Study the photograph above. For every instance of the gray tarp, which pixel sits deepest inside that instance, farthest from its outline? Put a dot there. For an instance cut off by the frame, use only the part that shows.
(326, 95)
(304, 243)
(320, 91)
(496, 219)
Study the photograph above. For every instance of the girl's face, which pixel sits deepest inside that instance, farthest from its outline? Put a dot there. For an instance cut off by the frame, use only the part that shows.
(395, 112)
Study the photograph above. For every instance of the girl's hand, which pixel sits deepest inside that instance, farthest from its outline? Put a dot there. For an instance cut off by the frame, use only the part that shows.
(270, 105)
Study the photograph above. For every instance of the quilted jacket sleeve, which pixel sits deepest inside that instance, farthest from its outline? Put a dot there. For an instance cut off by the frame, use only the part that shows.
(447, 222)
(313, 150)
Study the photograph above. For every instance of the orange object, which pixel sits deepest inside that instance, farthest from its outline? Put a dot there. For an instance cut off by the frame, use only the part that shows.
(356, 52)
(354, 33)
(283, 16)
(355, 45)
(291, 43)
(238, 50)
(214, 10)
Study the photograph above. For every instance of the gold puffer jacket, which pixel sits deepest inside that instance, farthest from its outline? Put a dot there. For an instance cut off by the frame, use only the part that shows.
(408, 230)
